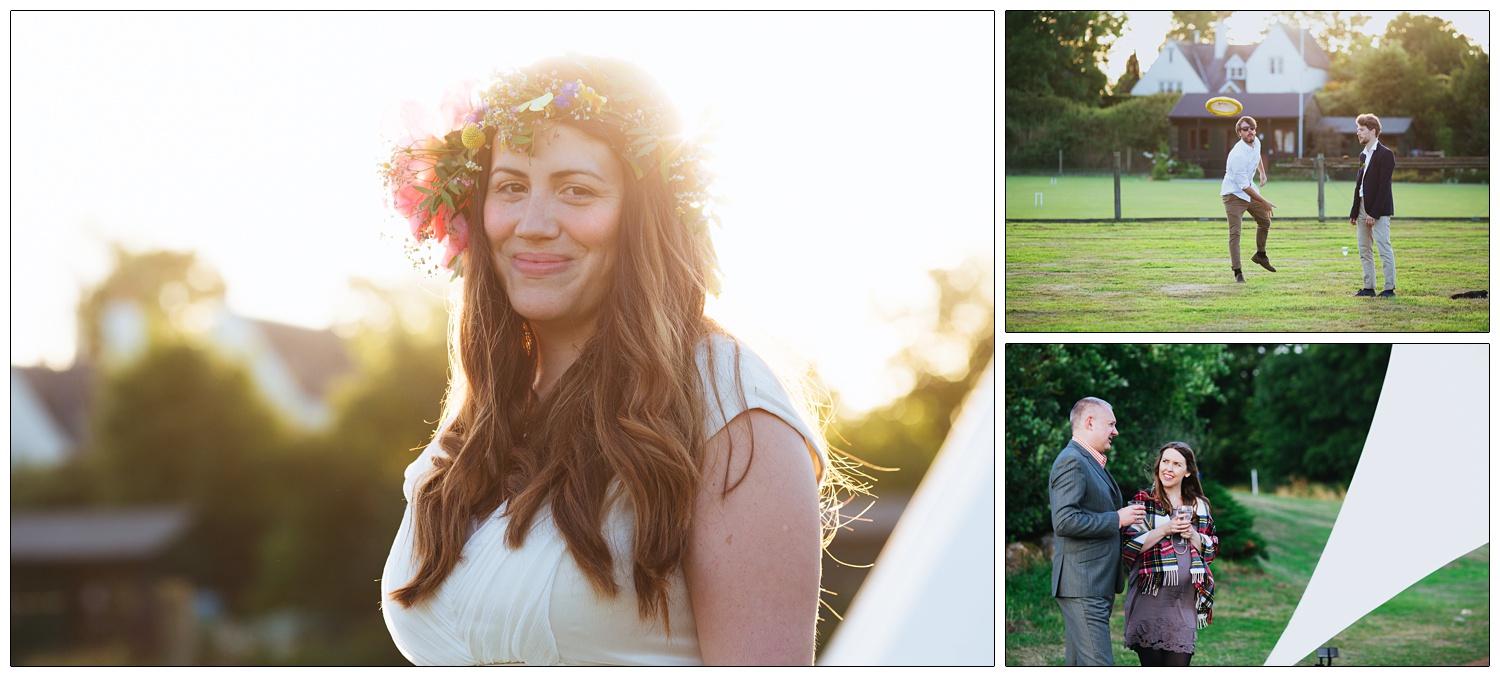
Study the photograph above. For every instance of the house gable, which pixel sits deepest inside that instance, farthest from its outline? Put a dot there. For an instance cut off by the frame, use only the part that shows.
(1234, 68)
(1276, 66)
(1173, 71)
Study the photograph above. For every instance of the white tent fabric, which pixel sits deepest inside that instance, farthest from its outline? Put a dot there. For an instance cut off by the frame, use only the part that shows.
(930, 599)
(1431, 424)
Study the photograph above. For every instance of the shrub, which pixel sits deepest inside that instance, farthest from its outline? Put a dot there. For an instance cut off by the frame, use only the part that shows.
(1234, 524)
(1474, 176)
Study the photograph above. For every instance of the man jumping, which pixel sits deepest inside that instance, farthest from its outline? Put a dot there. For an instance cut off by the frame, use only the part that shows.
(1238, 194)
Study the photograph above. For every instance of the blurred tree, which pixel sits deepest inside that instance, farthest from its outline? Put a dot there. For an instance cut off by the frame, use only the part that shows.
(167, 287)
(179, 426)
(1131, 76)
(1312, 410)
(1436, 39)
(1057, 53)
(338, 501)
(1184, 23)
(1336, 32)
(1225, 446)
(1233, 524)
(1468, 106)
(1396, 83)
(943, 366)
(1155, 391)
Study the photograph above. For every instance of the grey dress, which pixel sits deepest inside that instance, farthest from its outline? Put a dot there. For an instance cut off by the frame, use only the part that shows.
(1167, 620)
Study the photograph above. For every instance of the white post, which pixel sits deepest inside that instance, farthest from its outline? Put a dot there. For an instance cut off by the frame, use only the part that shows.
(1301, 83)
(1254, 483)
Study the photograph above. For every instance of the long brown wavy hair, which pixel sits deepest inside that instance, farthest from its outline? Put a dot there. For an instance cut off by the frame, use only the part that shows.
(567, 450)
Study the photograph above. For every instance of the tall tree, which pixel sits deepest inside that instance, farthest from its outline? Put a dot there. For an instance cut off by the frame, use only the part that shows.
(164, 285)
(1312, 410)
(1392, 82)
(1468, 106)
(1431, 37)
(943, 365)
(1185, 23)
(1057, 53)
(1335, 31)
(179, 426)
(1131, 76)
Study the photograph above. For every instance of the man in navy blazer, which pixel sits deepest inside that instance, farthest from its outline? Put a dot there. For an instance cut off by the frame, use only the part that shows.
(1372, 210)
(1086, 519)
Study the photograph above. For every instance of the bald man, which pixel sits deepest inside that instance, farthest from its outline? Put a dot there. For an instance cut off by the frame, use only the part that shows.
(1087, 517)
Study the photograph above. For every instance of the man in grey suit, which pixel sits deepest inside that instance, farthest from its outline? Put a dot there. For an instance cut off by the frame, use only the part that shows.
(1087, 518)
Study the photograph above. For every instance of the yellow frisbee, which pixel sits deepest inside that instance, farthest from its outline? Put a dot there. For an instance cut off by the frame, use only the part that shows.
(1223, 106)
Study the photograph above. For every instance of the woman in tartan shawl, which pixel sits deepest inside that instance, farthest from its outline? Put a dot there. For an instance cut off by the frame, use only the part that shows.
(1171, 592)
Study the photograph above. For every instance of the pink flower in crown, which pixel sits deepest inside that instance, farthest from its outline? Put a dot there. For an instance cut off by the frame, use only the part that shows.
(458, 239)
(417, 123)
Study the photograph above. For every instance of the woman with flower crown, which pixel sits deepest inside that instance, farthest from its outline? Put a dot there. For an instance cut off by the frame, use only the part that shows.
(1171, 590)
(615, 480)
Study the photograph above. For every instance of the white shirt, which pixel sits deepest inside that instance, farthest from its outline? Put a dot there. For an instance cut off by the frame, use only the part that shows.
(1239, 169)
(534, 605)
(1369, 153)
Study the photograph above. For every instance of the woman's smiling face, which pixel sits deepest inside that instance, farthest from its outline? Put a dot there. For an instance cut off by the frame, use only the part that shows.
(1171, 468)
(553, 222)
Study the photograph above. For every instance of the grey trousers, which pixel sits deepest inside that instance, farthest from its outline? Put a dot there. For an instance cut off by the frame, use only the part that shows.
(1086, 628)
(1380, 233)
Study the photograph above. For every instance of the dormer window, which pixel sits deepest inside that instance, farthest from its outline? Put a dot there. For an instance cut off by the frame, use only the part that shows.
(1236, 72)
(1278, 65)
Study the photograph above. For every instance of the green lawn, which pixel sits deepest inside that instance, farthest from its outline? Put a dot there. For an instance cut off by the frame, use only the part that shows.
(1174, 276)
(1093, 197)
(1254, 603)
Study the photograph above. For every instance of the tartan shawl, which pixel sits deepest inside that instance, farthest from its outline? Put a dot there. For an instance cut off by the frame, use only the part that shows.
(1158, 564)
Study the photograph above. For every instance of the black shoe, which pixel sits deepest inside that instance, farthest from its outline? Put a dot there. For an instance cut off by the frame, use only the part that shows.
(1387, 294)
(1365, 292)
(1263, 260)
(1238, 277)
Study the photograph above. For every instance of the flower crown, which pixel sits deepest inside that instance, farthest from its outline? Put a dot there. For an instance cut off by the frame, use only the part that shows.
(431, 178)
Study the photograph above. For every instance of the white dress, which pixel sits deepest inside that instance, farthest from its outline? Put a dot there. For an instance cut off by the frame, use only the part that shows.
(534, 605)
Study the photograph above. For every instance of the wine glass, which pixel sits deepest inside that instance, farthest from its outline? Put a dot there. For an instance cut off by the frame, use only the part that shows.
(1181, 511)
(1141, 503)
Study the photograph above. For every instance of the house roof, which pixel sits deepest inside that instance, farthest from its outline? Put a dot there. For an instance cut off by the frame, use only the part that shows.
(1387, 125)
(94, 534)
(1314, 54)
(1280, 105)
(315, 357)
(65, 394)
(1211, 70)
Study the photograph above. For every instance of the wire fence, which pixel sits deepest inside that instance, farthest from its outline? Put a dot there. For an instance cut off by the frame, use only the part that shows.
(1313, 189)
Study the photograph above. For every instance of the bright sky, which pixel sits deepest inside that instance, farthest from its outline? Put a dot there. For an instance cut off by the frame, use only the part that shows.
(1145, 31)
(857, 151)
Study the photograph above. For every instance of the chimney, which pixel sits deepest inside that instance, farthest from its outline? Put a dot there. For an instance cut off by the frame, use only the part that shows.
(1197, 37)
(1221, 39)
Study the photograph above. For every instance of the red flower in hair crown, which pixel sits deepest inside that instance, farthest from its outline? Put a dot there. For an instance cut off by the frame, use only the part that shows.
(433, 170)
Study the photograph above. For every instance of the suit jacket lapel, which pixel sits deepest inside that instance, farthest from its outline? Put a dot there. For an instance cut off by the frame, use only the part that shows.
(1100, 472)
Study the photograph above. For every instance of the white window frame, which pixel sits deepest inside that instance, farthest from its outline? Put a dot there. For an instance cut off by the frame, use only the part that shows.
(1278, 65)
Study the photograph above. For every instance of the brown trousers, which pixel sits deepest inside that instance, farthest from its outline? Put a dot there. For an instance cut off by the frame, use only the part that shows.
(1234, 207)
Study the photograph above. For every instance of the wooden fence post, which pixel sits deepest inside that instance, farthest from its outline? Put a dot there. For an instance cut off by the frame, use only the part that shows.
(1117, 185)
(1320, 186)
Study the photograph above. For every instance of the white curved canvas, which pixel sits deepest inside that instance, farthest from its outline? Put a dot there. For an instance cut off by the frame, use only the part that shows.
(1431, 424)
(930, 600)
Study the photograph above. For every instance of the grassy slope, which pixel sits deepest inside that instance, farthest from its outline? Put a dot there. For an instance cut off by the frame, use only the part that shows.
(1174, 276)
(1093, 197)
(1416, 627)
